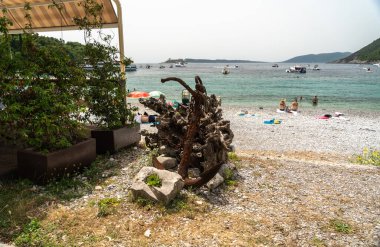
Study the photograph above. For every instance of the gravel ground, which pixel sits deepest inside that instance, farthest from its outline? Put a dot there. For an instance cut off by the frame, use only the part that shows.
(295, 187)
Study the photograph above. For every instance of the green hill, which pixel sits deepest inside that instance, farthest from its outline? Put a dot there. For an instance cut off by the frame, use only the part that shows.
(318, 58)
(368, 54)
(74, 49)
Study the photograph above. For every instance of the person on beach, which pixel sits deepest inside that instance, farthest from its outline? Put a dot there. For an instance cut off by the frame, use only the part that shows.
(146, 118)
(294, 105)
(315, 100)
(282, 105)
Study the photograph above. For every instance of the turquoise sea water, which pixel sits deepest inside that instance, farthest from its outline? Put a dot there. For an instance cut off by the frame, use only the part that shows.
(338, 86)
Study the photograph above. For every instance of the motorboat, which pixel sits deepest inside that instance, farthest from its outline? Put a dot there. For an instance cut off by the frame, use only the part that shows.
(179, 64)
(316, 67)
(225, 71)
(130, 68)
(162, 67)
(296, 69)
(275, 65)
(377, 64)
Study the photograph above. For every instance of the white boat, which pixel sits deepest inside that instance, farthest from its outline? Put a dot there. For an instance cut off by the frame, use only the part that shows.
(179, 64)
(316, 67)
(296, 69)
(377, 64)
(225, 71)
(275, 65)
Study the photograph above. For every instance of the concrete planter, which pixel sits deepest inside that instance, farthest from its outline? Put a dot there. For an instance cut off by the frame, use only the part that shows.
(113, 140)
(41, 168)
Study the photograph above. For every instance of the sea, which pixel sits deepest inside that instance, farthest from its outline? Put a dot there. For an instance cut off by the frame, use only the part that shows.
(337, 86)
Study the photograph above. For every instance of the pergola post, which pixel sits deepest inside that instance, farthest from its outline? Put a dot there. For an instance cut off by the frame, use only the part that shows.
(121, 35)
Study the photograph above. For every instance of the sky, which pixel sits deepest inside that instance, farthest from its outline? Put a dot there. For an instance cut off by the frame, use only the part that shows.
(257, 30)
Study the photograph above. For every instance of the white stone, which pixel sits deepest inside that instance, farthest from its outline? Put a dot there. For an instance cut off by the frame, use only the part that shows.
(147, 233)
(215, 181)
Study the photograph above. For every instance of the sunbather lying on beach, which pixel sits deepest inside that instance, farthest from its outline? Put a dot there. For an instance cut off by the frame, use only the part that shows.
(146, 118)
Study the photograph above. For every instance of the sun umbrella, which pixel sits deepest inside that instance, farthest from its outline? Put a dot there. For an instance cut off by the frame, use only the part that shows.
(156, 94)
(138, 94)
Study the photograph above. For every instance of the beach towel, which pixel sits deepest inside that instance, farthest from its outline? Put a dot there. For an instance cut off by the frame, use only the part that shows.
(326, 116)
(272, 121)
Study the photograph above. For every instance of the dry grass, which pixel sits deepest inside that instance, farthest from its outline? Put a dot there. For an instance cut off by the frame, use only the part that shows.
(278, 204)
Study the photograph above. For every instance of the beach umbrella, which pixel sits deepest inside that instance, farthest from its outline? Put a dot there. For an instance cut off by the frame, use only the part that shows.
(156, 94)
(138, 94)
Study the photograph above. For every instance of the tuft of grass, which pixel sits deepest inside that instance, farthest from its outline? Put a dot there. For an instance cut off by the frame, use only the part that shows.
(107, 206)
(229, 178)
(232, 156)
(33, 235)
(153, 180)
(317, 242)
(341, 226)
(369, 156)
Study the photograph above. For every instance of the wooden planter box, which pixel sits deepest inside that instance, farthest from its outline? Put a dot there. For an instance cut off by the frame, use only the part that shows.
(41, 168)
(112, 140)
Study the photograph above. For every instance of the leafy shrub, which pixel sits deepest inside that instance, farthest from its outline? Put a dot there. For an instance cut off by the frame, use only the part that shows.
(153, 180)
(368, 157)
(31, 235)
(107, 206)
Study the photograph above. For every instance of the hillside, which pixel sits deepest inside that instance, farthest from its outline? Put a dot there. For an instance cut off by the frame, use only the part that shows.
(318, 58)
(193, 60)
(368, 54)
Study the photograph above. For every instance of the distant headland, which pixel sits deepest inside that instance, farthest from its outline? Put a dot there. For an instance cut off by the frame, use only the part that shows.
(193, 60)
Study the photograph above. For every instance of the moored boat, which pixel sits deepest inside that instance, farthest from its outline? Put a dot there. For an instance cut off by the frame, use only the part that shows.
(296, 69)
(131, 67)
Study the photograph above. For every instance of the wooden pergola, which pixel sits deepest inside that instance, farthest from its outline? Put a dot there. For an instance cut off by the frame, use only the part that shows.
(45, 17)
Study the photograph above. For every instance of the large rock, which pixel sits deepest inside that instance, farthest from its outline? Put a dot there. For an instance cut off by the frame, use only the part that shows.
(172, 184)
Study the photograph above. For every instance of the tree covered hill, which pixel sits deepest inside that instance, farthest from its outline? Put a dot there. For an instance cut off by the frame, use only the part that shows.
(318, 58)
(74, 49)
(368, 54)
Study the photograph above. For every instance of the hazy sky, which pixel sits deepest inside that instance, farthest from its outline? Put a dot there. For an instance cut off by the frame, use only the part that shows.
(261, 30)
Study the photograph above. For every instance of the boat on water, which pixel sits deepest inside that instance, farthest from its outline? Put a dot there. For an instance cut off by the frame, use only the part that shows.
(130, 68)
(179, 64)
(296, 69)
(316, 67)
(275, 65)
(225, 71)
(162, 67)
(377, 64)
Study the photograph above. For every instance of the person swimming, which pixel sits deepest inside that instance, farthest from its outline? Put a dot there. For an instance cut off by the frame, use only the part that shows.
(315, 100)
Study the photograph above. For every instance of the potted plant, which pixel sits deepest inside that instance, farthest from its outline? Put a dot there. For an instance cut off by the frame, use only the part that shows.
(105, 95)
(40, 87)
